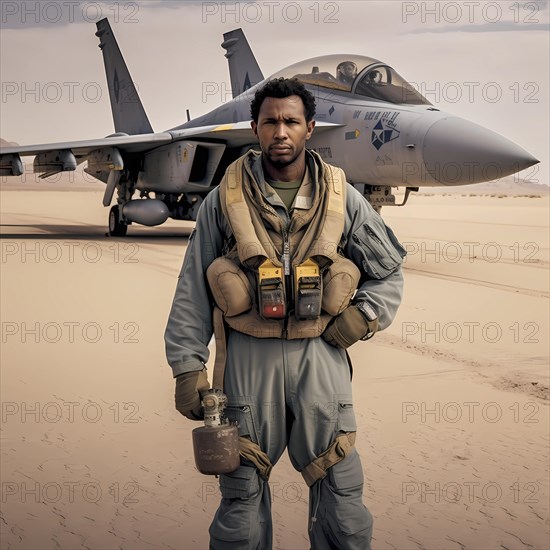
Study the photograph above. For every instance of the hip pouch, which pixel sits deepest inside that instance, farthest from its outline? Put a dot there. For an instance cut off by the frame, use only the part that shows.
(230, 287)
(340, 283)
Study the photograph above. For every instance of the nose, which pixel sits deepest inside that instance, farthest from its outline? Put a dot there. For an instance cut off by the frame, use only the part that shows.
(280, 130)
(457, 152)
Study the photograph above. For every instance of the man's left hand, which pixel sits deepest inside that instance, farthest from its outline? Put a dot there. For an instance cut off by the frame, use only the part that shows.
(349, 327)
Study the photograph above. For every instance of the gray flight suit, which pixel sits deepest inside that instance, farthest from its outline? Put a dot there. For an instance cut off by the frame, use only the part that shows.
(285, 393)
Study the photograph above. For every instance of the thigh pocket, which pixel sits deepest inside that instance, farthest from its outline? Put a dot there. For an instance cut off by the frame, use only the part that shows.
(243, 417)
(347, 515)
(346, 417)
(243, 483)
(346, 477)
(351, 524)
(236, 524)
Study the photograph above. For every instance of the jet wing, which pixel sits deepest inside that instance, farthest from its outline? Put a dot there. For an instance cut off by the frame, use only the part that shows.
(235, 134)
(130, 144)
(52, 158)
(108, 153)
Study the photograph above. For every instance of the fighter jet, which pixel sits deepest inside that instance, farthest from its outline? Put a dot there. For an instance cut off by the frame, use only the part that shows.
(370, 121)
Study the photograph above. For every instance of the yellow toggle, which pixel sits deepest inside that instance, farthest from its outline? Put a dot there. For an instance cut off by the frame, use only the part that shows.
(269, 271)
(307, 269)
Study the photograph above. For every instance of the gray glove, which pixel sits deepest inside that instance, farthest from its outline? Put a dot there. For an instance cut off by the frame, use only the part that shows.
(189, 389)
(349, 327)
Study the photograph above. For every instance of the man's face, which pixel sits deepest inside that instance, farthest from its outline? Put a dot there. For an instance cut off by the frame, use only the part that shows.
(282, 130)
(348, 70)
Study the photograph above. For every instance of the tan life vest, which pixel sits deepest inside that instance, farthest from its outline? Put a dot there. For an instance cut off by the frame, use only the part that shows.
(260, 234)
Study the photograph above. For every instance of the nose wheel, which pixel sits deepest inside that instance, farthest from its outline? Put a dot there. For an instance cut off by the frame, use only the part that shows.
(116, 227)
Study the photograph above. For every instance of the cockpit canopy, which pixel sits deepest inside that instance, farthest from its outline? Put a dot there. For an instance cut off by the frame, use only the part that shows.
(364, 76)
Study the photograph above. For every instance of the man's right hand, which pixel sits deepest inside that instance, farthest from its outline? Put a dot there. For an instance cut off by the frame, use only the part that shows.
(189, 387)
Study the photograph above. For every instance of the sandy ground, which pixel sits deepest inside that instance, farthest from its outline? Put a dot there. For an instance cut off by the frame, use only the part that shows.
(451, 400)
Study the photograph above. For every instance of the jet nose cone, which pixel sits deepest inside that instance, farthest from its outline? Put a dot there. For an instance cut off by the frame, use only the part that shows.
(458, 152)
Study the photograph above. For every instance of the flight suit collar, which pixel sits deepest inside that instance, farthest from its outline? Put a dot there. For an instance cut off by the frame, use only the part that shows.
(306, 193)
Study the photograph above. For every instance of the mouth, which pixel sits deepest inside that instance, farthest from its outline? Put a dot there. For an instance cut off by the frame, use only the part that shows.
(280, 148)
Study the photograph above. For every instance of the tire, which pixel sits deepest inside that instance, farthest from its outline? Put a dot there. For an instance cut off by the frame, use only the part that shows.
(116, 228)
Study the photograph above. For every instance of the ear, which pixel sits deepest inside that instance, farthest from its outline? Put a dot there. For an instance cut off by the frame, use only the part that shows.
(254, 127)
(310, 127)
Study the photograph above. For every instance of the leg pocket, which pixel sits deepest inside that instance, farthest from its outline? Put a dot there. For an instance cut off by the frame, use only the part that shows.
(346, 477)
(347, 517)
(243, 417)
(237, 523)
(346, 416)
(243, 483)
(351, 525)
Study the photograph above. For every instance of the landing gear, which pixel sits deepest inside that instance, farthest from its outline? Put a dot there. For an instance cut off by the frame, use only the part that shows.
(116, 227)
(184, 207)
(379, 195)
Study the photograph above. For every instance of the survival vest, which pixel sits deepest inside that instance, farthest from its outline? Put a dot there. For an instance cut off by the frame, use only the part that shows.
(288, 255)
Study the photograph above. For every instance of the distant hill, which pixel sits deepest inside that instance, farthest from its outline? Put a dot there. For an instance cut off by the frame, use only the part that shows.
(4, 143)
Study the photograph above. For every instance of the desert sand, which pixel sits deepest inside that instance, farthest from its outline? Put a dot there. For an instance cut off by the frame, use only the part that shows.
(451, 400)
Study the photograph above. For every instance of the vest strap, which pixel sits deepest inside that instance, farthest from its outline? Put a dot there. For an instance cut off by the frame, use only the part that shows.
(338, 450)
(221, 349)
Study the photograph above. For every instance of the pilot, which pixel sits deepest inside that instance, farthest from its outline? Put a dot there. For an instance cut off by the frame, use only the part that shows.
(280, 268)
(346, 72)
(373, 77)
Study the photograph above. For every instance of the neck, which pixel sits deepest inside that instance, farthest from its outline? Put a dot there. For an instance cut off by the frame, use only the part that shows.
(292, 172)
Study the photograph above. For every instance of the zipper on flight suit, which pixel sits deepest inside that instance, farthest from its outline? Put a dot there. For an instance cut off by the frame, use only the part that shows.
(285, 260)
(288, 280)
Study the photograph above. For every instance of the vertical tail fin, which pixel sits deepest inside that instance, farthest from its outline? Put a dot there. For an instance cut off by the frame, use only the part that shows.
(244, 70)
(128, 112)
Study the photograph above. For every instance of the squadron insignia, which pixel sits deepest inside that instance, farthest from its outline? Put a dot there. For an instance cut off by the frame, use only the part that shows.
(383, 133)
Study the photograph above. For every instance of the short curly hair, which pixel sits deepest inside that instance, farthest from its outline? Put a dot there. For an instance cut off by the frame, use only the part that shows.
(279, 88)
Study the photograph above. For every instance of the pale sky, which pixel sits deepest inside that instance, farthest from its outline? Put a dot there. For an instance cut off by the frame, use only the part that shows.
(486, 61)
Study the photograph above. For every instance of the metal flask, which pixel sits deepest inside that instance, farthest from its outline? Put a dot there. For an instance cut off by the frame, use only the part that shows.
(216, 444)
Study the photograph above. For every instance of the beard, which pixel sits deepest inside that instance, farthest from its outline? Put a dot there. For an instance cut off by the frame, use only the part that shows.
(280, 163)
(277, 162)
